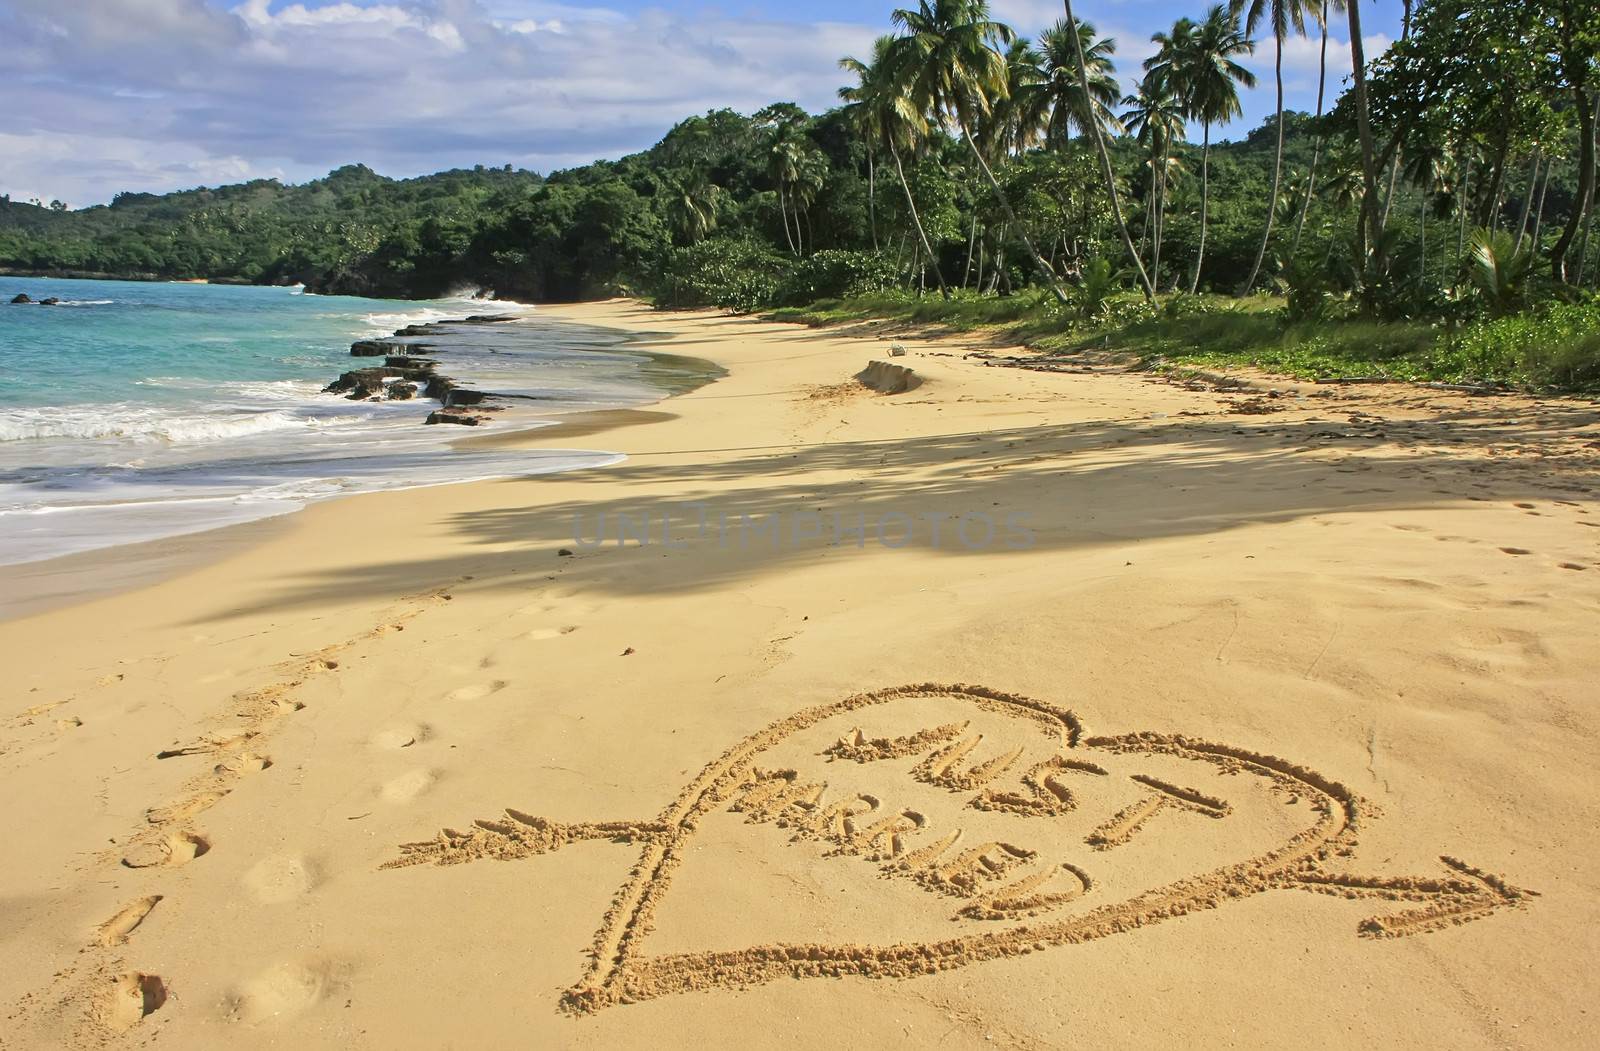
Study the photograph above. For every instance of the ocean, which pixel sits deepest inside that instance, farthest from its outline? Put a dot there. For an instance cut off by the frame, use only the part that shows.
(133, 411)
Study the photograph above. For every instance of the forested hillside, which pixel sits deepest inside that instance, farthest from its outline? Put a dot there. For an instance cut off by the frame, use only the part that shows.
(1449, 180)
(612, 225)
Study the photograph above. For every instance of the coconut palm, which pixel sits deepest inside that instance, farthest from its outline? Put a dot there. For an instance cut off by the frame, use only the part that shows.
(1328, 6)
(690, 204)
(1370, 227)
(1071, 107)
(954, 70)
(1201, 61)
(1075, 36)
(1156, 119)
(1020, 118)
(1284, 16)
(785, 155)
(894, 123)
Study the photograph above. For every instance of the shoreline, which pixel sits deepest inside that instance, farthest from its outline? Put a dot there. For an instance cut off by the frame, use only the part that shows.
(1385, 597)
(41, 584)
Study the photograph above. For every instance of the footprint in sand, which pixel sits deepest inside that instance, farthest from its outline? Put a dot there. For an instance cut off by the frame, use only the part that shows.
(172, 851)
(408, 786)
(1573, 566)
(130, 998)
(540, 634)
(1516, 551)
(240, 765)
(477, 691)
(284, 877)
(286, 990)
(115, 931)
(394, 738)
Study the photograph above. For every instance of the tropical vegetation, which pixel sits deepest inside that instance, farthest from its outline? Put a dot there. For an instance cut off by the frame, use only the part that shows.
(1432, 218)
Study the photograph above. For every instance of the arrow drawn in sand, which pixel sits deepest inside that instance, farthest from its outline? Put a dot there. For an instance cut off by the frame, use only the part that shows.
(999, 783)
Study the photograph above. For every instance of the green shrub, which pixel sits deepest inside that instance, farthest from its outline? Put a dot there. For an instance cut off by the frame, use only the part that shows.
(732, 273)
(837, 274)
(1559, 346)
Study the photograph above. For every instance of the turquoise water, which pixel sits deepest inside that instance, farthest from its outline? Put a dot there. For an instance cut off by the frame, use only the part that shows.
(138, 410)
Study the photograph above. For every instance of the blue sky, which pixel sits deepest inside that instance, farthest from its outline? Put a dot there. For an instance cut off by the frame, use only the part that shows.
(155, 95)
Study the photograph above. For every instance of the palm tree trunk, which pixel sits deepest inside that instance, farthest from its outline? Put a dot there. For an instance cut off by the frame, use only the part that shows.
(1105, 157)
(972, 244)
(1463, 191)
(917, 221)
(872, 196)
(1161, 209)
(1527, 198)
(1373, 232)
(1583, 210)
(783, 209)
(1277, 178)
(1316, 148)
(1205, 207)
(1011, 220)
(1422, 266)
(1538, 213)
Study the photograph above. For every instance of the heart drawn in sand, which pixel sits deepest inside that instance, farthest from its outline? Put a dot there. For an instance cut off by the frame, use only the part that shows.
(976, 824)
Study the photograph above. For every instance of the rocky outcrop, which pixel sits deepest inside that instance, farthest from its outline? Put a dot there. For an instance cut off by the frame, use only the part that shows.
(464, 419)
(404, 374)
(22, 297)
(50, 301)
(375, 348)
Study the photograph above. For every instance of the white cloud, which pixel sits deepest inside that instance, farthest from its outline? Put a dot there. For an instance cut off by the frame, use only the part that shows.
(162, 94)
(408, 86)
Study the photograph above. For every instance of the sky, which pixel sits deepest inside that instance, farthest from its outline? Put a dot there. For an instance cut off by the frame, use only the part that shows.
(103, 96)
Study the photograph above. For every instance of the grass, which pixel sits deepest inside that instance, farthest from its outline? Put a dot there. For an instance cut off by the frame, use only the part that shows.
(1557, 347)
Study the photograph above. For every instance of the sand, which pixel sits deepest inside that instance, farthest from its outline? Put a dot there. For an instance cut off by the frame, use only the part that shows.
(1215, 718)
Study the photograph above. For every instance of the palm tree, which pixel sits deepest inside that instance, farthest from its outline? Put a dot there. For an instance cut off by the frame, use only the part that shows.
(894, 123)
(1370, 227)
(691, 204)
(784, 157)
(1071, 107)
(1156, 119)
(1202, 63)
(1284, 16)
(1075, 31)
(1328, 6)
(955, 72)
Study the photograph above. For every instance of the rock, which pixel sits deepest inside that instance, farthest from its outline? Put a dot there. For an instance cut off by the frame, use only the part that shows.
(373, 348)
(897, 350)
(441, 416)
(888, 379)
(462, 396)
(360, 383)
(401, 391)
(50, 301)
(22, 297)
(565, 552)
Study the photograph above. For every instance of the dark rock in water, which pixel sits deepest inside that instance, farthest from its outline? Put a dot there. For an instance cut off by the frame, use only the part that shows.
(51, 301)
(416, 330)
(489, 319)
(461, 396)
(22, 297)
(361, 383)
(441, 416)
(401, 391)
(372, 348)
